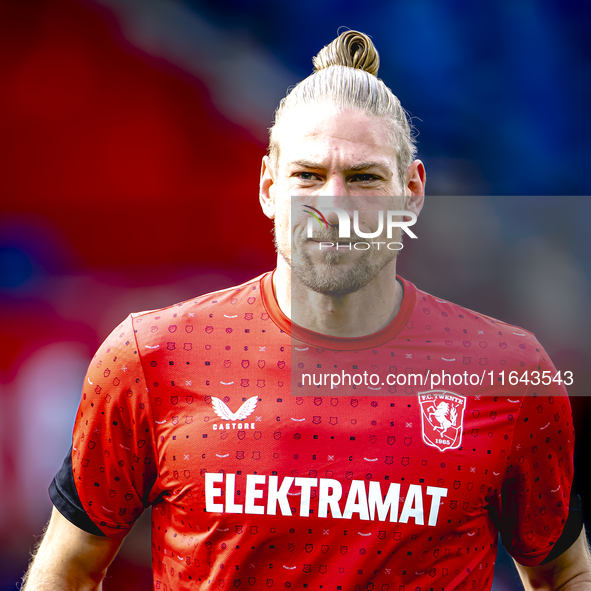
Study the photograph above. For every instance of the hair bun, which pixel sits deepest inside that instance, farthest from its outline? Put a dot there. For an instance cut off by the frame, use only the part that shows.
(352, 49)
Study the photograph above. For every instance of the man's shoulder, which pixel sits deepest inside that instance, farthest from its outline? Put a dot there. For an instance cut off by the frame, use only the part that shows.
(207, 305)
(454, 316)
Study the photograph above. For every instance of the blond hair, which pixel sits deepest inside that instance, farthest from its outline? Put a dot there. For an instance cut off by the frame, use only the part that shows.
(345, 75)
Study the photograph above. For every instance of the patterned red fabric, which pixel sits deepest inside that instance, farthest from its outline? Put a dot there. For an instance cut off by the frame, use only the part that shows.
(196, 409)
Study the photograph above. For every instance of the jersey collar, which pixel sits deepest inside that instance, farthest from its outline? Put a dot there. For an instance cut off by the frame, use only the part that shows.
(317, 339)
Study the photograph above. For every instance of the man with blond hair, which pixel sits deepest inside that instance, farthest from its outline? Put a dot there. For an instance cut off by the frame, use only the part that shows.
(307, 429)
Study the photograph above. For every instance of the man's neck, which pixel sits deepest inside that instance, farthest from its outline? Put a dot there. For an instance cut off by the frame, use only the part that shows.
(360, 313)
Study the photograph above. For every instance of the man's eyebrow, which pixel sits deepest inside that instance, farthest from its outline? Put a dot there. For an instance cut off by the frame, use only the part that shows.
(365, 166)
(305, 164)
(352, 168)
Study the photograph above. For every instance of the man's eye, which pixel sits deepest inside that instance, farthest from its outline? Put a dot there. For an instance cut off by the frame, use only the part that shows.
(364, 178)
(306, 176)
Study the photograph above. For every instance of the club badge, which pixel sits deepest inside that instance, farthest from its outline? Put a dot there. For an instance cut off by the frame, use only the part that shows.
(442, 418)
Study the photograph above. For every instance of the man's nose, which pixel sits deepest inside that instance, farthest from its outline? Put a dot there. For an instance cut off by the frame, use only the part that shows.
(332, 194)
(335, 186)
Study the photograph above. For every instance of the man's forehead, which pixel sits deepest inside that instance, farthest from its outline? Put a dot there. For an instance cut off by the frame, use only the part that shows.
(315, 133)
(320, 120)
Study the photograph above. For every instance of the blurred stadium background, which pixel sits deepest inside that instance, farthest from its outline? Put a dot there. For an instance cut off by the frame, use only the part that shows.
(131, 137)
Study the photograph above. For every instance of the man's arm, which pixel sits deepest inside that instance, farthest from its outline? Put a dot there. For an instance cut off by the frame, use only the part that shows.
(70, 559)
(571, 571)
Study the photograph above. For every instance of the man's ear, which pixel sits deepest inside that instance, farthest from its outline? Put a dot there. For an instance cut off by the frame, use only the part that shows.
(415, 187)
(267, 188)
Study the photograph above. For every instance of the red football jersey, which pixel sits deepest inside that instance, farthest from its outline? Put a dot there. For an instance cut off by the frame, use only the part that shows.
(262, 471)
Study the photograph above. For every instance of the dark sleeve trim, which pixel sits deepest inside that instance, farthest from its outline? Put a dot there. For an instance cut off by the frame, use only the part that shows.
(64, 496)
(572, 528)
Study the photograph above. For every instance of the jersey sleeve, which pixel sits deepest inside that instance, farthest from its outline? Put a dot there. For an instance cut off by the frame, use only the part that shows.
(536, 494)
(106, 480)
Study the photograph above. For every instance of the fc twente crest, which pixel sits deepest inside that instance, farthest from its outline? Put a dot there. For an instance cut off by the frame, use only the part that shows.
(442, 418)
